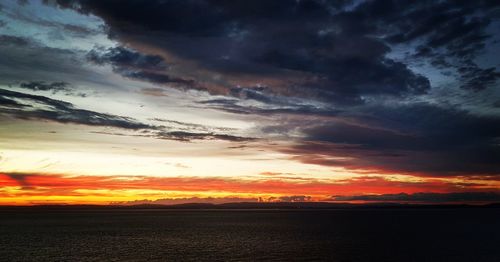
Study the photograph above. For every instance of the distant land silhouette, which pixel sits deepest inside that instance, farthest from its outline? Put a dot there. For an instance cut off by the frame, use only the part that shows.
(257, 205)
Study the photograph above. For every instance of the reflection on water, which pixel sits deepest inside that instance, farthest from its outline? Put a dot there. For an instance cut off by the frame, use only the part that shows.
(236, 235)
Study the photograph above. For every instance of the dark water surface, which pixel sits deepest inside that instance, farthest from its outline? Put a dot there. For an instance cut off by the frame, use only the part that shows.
(249, 235)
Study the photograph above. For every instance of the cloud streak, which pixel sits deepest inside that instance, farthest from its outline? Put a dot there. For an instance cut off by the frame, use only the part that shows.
(60, 111)
(35, 107)
(462, 197)
(419, 138)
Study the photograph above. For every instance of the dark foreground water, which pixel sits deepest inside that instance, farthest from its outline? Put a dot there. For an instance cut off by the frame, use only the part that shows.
(239, 235)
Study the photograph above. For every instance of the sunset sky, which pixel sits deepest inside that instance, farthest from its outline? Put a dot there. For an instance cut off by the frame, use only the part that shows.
(227, 101)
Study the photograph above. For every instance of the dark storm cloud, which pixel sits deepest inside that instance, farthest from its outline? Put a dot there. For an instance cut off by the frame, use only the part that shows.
(450, 33)
(332, 51)
(475, 78)
(339, 55)
(266, 38)
(132, 64)
(121, 57)
(269, 105)
(425, 197)
(227, 105)
(417, 126)
(411, 138)
(157, 78)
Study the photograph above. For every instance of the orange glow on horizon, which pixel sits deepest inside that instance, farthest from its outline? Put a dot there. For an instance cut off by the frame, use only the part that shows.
(30, 189)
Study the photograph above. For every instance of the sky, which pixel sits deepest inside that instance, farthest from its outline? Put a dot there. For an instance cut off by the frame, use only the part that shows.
(168, 102)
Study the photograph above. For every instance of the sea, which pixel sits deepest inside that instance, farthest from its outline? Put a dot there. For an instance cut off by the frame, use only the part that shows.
(434, 234)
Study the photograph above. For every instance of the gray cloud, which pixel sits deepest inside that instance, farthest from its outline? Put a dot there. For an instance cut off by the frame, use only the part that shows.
(26, 60)
(43, 86)
(21, 179)
(6, 40)
(27, 106)
(367, 109)
(123, 58)
(60, 111)
(339, 65)
(418, 138)
(187, 136)
(461, 197)
(58, 28)
(185, 126)
(132, 64)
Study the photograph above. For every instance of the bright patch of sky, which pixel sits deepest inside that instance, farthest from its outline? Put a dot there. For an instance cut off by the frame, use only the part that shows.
(53, 27)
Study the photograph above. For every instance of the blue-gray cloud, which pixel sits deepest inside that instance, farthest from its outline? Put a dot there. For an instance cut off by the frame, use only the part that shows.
(60, 111)
(35, 107)
(352, 61)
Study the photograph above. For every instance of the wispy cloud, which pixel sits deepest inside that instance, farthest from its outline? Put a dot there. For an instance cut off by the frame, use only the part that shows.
(35, 107)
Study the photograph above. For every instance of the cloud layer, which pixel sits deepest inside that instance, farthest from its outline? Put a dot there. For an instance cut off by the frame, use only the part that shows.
(299, 100)
(357, 72)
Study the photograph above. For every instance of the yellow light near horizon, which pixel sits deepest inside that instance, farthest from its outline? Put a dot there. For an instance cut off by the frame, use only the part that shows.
(112, 164)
